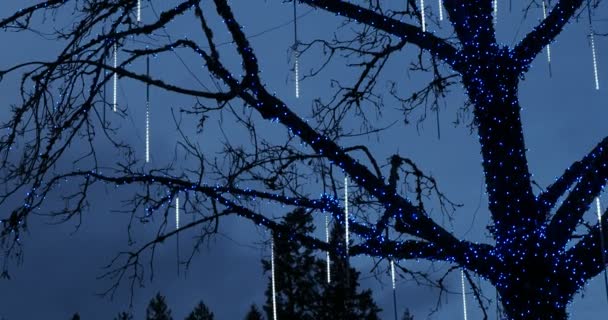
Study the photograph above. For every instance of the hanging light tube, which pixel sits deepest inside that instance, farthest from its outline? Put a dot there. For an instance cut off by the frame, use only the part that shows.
(115, 77)
(274, 293)
(327, 257)
(422, 16)
(346, 231)
(595, 73)
(464, 297)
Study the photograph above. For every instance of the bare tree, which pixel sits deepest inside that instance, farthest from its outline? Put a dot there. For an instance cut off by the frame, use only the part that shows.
(530, 263)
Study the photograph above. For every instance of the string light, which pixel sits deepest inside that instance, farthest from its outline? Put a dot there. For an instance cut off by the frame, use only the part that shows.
(440, 10)
(148, 111)
(464, 296)
(422, 17)
(115, 77)
(138, 10)
(274, 293)
(346, 213)
(394, 288)
(176, 213)
(545, 18)
(495, 11)
(327, 258)
(296, 57)
(595, 75)
(393, 274)
(602, 244)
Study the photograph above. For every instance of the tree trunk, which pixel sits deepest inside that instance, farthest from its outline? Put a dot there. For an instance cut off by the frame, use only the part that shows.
(533, 305)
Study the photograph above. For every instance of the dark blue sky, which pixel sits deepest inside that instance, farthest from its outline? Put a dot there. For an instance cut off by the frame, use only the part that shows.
(564, 117)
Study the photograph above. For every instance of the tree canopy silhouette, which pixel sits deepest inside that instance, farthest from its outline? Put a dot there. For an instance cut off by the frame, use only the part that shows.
(61, 141)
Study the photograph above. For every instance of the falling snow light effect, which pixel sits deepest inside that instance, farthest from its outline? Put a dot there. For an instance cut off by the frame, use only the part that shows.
(346, 213)
(602, 244)
(545, 18)
(597, 81)
(148, 111)
(327, 259)
(274, 293)
(115, 78)
(440, 10)
(422, 17)
(297, 74)
(296, 67)
(464, 297)
(176, 213)
(138, 10)
(495, 4)
(393, 274)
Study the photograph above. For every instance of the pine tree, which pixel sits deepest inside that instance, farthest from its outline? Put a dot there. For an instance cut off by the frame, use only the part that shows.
(297, 292)
(302, 289)
(157, 309)
(200, 312)
(341, 299)
(407, 315)
(124, 316)
(254, 314)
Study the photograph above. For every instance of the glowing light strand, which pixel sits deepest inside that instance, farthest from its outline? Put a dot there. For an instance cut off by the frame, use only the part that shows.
(296, 57)
(602, 244)
(422, 16)
(440, 10)
(394, 288)
(148, 111)
(327, 258)
(138, 10)
(544, 18)
(595, 73)
(346, 232)
(464, 296)
(274, 293)
(393, 274)
(495, 5)
(176, 213)
(115, 78)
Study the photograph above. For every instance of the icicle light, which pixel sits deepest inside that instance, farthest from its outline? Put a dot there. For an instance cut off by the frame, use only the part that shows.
(176, 213)
(597, 81)
(464, 296)
(545, 18)
(495, 4)
(148, 111)
(274, 293)
(440, 10)
(327, 258)
(115, 77)
(346, 240)
(393, 274)
(297, 74)
(138, 10)
(296, 55)
(422, 17)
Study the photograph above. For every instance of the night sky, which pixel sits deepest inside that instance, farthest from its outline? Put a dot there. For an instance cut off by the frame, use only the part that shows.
(563, 115)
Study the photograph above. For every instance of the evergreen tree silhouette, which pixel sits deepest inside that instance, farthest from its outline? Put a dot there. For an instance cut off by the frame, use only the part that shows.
(301, 285)
(200, 312)
(157, 309)
(407, 315)
(124, 316)
(254, 314)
